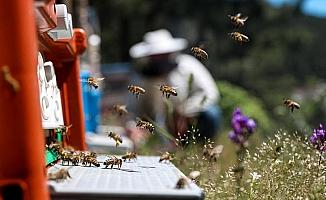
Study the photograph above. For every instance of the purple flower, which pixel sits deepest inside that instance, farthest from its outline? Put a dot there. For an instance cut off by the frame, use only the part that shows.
(318, 138)
(234, 137)
(242, 126)
(251, 125)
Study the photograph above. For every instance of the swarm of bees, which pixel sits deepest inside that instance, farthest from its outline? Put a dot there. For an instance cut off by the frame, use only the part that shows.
(145, 125)
(116, 137)
(199, 53)
(237, 20)
(60, 175)
(168, 91)
(211, 153)
(120, 109)
(167, 157)
(113, 161)
(136, 90)
(129, 156)
(291, 104)
(94, 82)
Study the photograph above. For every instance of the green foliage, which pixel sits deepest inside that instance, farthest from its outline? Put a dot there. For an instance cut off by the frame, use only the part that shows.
(233, 96)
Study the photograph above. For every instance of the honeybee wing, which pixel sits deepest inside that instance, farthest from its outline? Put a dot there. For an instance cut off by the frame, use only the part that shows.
(100, 79)
(296, 105)
(173, 87)
(124, 108)
(66, 127)
(245, 18)
(157, 86)
(202, 46)
(138, 119)
(246, 38)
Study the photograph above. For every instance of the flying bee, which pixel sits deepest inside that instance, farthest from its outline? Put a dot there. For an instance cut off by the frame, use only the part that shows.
(291, 104)
(120, 109)
(199, 53)
(136, 90)
(60, 175)
(168, 91)
(239, 37)
(129, 156)
(145, 125)
(65, 129)
(113, 161)
(167, 157)
(237, 20)
(213, 153)
(117, 138)
(94, 82)
(181, 183)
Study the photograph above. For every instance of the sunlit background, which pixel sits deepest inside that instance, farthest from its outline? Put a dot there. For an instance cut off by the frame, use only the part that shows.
(284, 59)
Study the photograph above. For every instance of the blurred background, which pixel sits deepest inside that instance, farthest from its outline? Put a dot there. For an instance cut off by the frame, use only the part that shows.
(286, 57)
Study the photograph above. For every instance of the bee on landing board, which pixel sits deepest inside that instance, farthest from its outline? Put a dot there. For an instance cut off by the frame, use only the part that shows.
(237, 20)
(145, 125)
(90, 161)
(291, 104)
(60, 175)
(181, 183)
(113, 161)
(129, 156)
(167, 157)
(120, 109)
(239, 37)
(116, 137)
(168, 91)
(136, 90)
(199, 53)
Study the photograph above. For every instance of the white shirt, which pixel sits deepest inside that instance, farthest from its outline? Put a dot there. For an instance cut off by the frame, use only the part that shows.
(203, 93)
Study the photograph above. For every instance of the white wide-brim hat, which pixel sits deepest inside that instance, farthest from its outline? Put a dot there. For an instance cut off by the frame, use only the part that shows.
(157, 42)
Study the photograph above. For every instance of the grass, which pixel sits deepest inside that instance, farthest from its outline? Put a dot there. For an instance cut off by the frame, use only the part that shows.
(286, 166)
